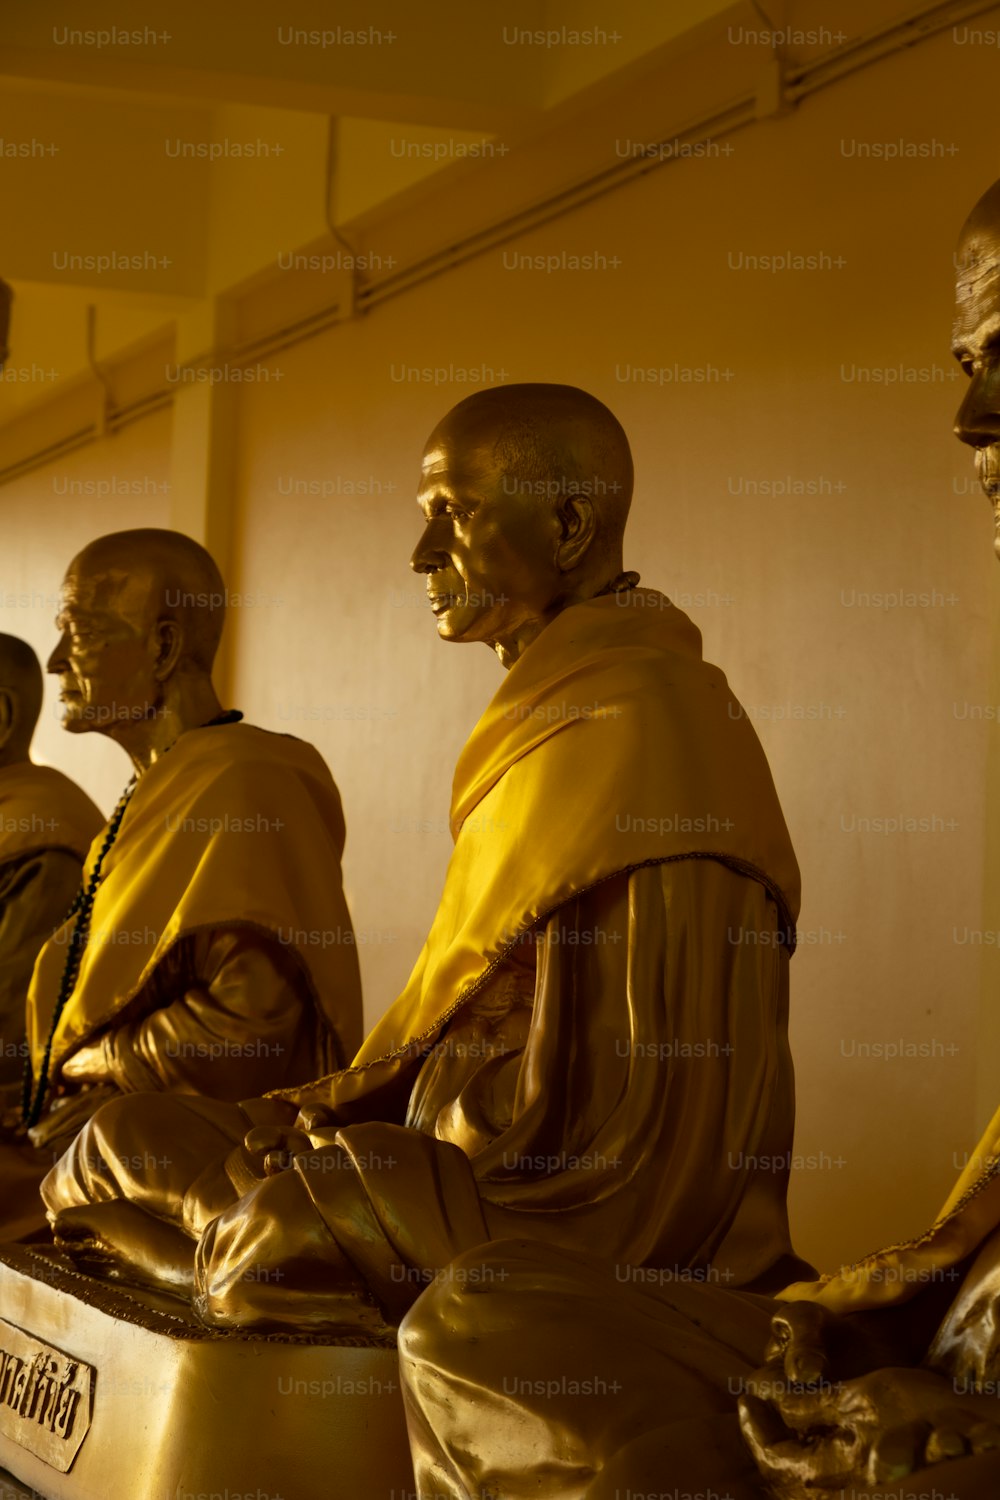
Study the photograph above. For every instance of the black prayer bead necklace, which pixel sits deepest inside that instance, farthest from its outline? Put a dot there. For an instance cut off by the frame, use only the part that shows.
(33, 1096)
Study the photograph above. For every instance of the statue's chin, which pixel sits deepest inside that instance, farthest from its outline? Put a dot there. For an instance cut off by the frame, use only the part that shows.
(451, 626)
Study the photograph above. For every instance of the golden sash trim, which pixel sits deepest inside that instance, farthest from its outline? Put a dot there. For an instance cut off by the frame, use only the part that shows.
(970, 1213)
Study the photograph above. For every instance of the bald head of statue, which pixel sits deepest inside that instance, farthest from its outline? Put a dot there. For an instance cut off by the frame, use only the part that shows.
(976, 342)
(140, 619)
(525, 491)
(20, 698)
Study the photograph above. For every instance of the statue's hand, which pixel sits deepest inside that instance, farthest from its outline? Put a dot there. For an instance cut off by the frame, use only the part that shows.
(87, 1065)
(272, 1148)
(966, 1347)
(315, 1119)
(882, 1426)
(802, 1339)
(808, 1344)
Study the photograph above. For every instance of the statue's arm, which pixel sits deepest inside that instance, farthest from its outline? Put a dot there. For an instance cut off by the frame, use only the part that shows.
(35, 895)
(656, 1079)
(732, 1103)
(229, 1030)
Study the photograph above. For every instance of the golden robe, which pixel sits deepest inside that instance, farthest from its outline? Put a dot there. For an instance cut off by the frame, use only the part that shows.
(220, 957)
(47, 824)
(592, 1046)
(506, 1351)
(531, 1371)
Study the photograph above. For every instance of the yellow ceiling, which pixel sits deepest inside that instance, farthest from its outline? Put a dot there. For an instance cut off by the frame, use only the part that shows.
(150, 162)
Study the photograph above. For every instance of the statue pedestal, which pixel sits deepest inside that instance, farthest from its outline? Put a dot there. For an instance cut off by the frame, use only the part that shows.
(106, 1391)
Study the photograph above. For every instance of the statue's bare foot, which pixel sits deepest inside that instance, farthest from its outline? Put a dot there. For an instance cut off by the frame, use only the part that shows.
(121, 1242)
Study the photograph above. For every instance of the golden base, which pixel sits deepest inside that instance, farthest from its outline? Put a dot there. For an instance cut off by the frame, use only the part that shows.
(106, 1392)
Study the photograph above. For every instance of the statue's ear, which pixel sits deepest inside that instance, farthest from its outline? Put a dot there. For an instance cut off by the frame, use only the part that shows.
(7, 716)
(170, 644)
(578, 523)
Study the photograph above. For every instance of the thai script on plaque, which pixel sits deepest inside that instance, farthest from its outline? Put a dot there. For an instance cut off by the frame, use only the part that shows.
(44, 1397)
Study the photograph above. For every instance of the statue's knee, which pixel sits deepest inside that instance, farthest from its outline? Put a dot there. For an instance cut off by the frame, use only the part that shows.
(50, 1189)
(61, 1186)
(412, 1335)
(114, 1121)
(444, 1302)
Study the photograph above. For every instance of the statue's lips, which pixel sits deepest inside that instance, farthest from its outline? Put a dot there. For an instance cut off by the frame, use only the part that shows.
(439, 603)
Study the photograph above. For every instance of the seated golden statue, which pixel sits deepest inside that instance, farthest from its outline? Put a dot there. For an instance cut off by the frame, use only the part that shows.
(46, 827)
(185, 964)
(584, 1053)
(528, 1370)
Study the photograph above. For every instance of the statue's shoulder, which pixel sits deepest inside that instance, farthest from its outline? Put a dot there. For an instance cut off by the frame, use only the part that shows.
(256, 752)
(31, 782)
(41, 808)
(28, 778)
(270, 744)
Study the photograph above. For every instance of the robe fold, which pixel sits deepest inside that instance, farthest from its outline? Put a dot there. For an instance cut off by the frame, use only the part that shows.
(47, 824)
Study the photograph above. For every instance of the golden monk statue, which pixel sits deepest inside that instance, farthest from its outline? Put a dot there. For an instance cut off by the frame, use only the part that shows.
(530, 1371)
(46, 827)
(582, 1053)
(189, 962)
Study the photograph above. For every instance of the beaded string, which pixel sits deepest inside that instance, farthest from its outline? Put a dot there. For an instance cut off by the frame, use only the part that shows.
(33, 1097)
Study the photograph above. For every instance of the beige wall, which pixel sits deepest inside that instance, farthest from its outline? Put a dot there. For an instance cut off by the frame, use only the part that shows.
(331, 640)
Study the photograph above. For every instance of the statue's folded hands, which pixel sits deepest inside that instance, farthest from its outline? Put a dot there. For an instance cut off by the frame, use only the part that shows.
(880, 1427)
(87, 1065)
(271, 1148)
(811, 1345)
